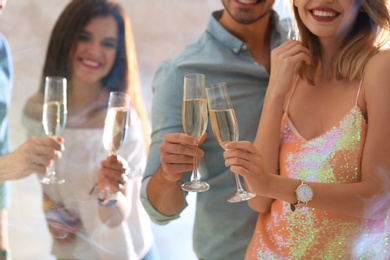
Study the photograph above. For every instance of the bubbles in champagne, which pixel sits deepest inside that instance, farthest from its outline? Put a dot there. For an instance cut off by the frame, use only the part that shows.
(224, 124)
(194, 116)
(115, 128)
(54, 117)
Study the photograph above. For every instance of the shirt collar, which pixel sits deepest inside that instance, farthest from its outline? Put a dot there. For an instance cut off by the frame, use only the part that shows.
(236, 45)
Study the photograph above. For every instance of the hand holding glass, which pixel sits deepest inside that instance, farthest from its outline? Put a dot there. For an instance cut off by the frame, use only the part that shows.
(54, 117)
(115, 130)
(225, 127)
(194, 120)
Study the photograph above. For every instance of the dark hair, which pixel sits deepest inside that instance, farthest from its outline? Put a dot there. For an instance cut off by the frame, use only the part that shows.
(65, 35)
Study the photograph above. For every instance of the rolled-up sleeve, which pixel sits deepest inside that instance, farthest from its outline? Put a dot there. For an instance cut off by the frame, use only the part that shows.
(166, 118)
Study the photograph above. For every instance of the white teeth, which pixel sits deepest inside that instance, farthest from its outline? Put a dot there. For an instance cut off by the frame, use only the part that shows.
(324, 13)
(247, 1)
(91, 63)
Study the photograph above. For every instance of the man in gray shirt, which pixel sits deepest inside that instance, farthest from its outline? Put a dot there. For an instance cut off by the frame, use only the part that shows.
(235, 48)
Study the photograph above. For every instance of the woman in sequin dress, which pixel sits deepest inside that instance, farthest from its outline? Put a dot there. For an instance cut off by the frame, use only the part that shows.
(325, 128)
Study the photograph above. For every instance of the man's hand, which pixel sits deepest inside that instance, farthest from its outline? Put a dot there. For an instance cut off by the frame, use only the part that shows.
(177, 153)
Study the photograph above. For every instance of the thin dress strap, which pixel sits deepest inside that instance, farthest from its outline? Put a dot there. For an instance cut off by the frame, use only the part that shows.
(358, 93)
(292, 92)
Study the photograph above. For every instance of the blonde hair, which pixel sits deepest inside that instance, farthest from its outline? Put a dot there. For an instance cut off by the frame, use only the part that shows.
(370, 33)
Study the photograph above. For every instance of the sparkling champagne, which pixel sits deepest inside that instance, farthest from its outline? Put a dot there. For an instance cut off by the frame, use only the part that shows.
(194, 116)
(115, 128)
(224, 124)
(54, 117)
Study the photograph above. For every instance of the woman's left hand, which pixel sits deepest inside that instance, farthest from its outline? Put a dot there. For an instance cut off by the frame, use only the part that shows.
(284, 60)
(114, 172)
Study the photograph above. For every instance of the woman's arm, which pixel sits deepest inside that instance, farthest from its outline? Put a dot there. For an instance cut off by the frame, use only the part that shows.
(284, 59)
(267, 143)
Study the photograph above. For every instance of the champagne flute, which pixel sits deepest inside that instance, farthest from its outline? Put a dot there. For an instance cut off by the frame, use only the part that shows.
(194, 120)
(54, 117)
(225, 127)
(115, 131)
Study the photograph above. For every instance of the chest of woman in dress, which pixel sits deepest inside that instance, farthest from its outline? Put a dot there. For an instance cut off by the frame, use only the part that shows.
(323, 131)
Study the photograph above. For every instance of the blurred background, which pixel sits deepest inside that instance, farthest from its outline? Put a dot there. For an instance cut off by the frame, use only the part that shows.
(161, 29)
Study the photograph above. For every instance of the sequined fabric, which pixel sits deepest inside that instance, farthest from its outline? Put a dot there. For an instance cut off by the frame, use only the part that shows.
(308, 233)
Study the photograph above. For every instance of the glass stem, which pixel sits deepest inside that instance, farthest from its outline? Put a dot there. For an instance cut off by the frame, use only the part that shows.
(51, 170)
(195, 170)
(238, 183)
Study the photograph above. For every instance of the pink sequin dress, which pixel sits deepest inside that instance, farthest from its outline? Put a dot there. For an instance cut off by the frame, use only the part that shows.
(308, 233)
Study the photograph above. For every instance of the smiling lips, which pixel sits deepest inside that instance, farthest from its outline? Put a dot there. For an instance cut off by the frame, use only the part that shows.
(324, 14)
(90, 63)
(247, 1)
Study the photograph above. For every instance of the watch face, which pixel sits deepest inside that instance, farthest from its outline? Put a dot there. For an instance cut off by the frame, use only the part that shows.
(304, 193)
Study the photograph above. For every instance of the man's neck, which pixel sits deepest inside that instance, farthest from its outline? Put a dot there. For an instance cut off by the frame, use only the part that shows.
(256, 35)
(255, 32)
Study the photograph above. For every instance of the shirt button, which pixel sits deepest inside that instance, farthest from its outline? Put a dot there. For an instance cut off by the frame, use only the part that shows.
(235, 50)
(244, 47)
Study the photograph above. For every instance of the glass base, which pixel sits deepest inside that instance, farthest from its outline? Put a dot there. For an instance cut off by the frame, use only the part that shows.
(195, 186)
(241, 196)
(52, 179)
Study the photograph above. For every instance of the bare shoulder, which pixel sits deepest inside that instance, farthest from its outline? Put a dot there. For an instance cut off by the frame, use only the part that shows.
(377, 73)
(379, 63)
(34, 106)
(376, 82)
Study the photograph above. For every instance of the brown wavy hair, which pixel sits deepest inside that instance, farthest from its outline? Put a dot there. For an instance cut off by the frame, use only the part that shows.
(370, 33)
(124, 73)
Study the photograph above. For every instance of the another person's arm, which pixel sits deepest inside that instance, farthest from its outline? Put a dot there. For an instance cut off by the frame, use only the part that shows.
(4, 205)
(34, 156)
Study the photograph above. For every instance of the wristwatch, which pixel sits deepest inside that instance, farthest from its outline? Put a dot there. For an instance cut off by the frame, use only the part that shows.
(304, 194)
